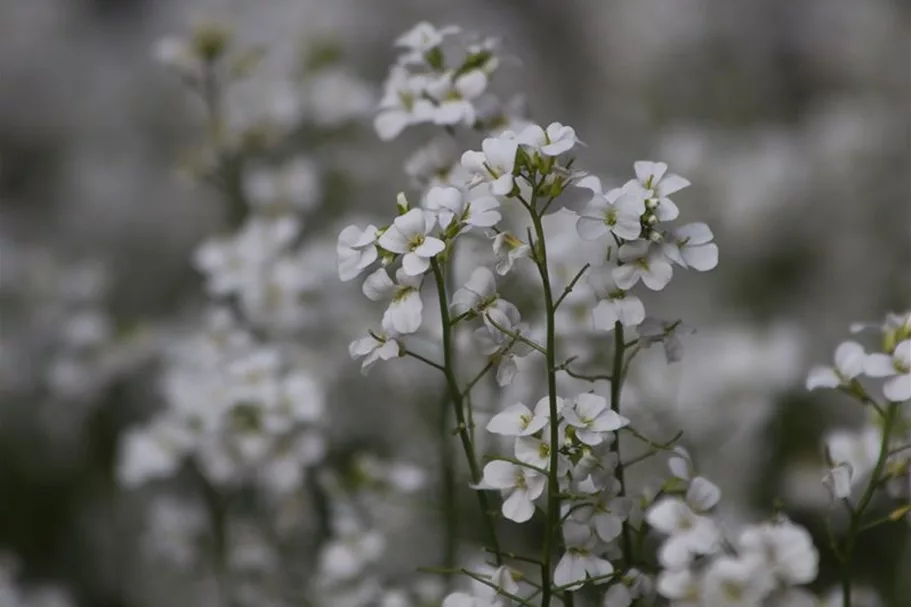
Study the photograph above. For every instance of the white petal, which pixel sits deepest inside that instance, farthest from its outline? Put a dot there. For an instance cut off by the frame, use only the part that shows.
(605, 314)
(694, 233)
(403, 316)
(415, 265)
(430, 247)
(499, 475)
(631, 311)
(670, 184)
(898, 389)
(389, 124)
(822, 377)
(645, 169)
(879, 365)
(657, 276)
(378, 286)
(701, 258)
(518, 507)
(702, 494)
(570, 570)
(509, 421)
(849, 359)
(591, 228)
(626, 276)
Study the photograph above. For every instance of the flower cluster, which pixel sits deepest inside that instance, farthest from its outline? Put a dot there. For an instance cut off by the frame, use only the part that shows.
(702, 567)
(241, 409)
(882, 446)
(426, 85)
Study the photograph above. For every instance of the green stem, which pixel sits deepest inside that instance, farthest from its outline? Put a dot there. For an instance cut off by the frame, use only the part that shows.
(448, 490)
(553, 491)
(856, 514)
(615, 388)
(455, 394)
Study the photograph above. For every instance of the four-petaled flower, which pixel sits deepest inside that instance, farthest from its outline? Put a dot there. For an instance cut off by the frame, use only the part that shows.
(691, 246)
(642, 261)
(591, 418)
(618, 211)
(450, 204)
(897, 367)
(579, 563)
(355, 250)
(520, 485)
(403, 315)
(556, 140)
(494, 164)
(409, 234)
(658, 184)
(849, 363)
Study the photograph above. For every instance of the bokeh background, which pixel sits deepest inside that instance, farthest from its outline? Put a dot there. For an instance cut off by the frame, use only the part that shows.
(790, 117)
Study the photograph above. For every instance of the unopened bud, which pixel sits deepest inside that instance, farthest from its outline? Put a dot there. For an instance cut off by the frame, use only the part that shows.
(401, 203)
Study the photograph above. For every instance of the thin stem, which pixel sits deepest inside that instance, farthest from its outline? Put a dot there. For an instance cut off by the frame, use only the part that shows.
(553, 492)
(856, 514)
(424, 360)
(455, 394)
(615, 388)
(448, 489)
(653, 448)
(517, 336)
(571, 285)
(480, 578)
(516, 557)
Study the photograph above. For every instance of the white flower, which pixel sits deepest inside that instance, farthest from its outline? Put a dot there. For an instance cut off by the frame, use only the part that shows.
(355, 250)
(403, 315)
(231, 264)
(177, 54)
(409, 235)
(640, 260)
(787, 551)
(839, 480)
(897, 367)
(733, 582)
(849, 363)
(607, 512)
(507, 249)
(346, 557)
(373, 348)
(520, 486)
(652, 331)
(578, 563)
(658, 185)
(690, 533)
(591, 418)
(615, 305)
(454, 95)
(494, 164)
(518, 420)
(450, 204)
(691, 246)
(480, 295)
(424, 37)
(857, 451)
(554, 141)
(294, 185)
(633, 585)
(302, 396)
(618, 212)
(402, 103)
(681, 586)
(534, 451)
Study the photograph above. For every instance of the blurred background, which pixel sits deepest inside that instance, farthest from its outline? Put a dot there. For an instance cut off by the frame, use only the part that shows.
(790, 117)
